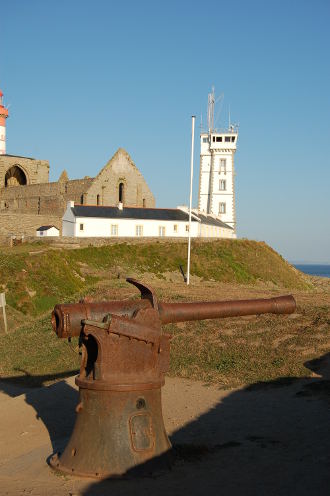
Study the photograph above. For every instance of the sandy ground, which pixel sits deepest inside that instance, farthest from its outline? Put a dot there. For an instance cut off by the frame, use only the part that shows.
(267, 439)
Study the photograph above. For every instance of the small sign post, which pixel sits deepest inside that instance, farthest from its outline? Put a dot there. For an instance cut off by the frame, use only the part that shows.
(3, 305)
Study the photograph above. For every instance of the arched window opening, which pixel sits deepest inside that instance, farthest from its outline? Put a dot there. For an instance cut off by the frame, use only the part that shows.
(82, 200)
(121, 193)
(98, 200)
(144, 202)
(15, 177)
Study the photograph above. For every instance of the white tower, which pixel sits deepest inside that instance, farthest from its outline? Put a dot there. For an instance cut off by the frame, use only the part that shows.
(3, 117)
(216, 178)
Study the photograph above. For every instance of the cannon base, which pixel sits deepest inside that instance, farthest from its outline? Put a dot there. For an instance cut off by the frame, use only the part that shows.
(116, 433)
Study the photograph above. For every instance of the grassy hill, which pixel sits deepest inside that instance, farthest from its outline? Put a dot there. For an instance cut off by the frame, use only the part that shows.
(35, 279)
(228, 351)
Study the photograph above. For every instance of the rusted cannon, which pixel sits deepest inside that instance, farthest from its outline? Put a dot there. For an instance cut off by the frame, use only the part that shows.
(119, 424)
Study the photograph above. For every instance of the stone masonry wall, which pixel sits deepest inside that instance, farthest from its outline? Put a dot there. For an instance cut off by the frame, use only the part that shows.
(36, 171)
(26, 224)
(28, 200)
(120, 169)
(42, 199)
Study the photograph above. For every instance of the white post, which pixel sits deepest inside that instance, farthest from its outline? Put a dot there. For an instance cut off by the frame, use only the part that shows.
(3, 305)
(191, 186)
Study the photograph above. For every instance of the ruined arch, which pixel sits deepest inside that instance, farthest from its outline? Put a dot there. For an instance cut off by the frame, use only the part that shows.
(15, 176)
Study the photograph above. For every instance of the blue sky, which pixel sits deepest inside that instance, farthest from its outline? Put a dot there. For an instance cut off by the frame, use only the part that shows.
(83, 78)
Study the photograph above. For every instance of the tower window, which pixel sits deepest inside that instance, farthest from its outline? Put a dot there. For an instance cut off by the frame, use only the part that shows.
(205, 140)
(222, 185)
(82, 200)
(233, 139)
(222, 208)
(121, 193)
(144, 202)
(98, 200)
(219, 139)
(223, 165)
(227, 139)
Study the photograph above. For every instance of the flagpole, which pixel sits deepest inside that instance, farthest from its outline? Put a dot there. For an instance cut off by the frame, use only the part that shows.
(191, 186)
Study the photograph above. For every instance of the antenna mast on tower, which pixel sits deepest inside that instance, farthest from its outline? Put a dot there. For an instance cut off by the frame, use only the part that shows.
(210, 111)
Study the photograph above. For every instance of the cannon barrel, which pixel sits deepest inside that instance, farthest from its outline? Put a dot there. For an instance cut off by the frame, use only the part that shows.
(67, 318)
(181, 312)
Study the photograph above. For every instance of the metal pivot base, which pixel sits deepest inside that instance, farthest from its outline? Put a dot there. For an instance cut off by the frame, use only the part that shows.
(116, 432)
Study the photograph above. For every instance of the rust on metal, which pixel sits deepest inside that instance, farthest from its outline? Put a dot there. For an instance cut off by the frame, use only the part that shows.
(125, 356)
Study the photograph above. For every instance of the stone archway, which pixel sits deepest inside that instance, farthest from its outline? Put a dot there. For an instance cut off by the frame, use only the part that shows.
(15, 176)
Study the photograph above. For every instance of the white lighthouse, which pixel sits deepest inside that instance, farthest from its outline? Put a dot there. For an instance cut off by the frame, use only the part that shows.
(3, 117)
(217, 172)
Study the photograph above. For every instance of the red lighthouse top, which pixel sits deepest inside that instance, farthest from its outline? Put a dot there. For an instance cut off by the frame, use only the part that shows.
(3, 110)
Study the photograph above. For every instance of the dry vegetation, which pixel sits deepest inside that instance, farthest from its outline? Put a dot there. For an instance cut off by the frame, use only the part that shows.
(228, 352)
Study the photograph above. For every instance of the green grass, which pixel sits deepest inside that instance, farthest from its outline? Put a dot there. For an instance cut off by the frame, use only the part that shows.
(228, 352)
(35, 282)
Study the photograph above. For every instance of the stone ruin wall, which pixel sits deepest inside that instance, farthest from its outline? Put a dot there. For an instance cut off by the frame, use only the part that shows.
(36, 171)
(26, 224)
(42, 199)
(36, 202)
(120, 169)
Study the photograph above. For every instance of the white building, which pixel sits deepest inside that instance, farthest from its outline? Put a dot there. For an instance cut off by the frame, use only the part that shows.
(47, 231)
(127, 222)
(217, 172)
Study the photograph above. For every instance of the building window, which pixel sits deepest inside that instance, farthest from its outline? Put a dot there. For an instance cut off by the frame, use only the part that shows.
(219, 139)
(144, 203)
(187, 227)
(121, 193)
(205, 140)
(81, 227)
(227, 139)
(222, 208)
(223, 166)
(222, 185)
(139, 230)
(161, 230)
(213, 139)
(114, 229)
(82, 200)
(233, 139)
(175, 228)
(98, 202)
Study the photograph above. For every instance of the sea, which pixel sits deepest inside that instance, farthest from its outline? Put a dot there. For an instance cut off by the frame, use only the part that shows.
(314, 269)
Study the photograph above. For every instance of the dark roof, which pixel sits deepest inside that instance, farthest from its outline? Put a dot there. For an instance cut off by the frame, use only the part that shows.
(145, 213)
(211, 221)
(131, 213)
(45, 228)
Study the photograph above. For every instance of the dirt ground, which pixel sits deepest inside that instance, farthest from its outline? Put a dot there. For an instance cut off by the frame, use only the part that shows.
(267, 438)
